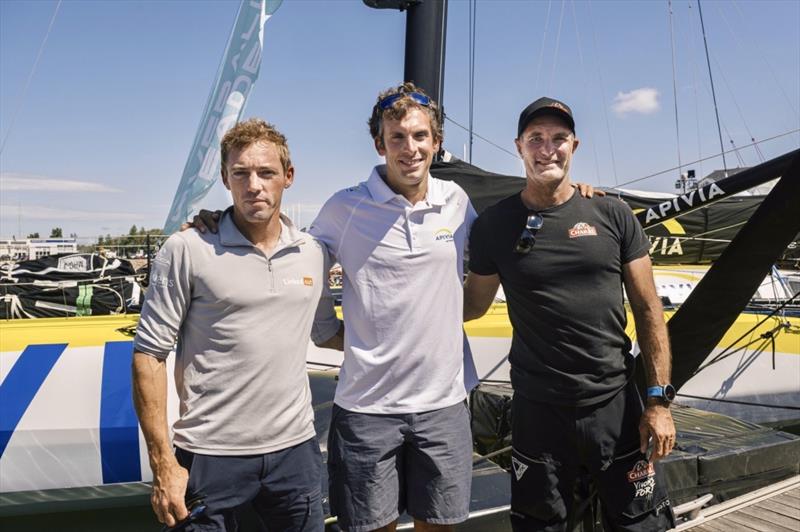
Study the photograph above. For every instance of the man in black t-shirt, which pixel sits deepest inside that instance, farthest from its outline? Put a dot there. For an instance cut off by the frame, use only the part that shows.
(563, 260)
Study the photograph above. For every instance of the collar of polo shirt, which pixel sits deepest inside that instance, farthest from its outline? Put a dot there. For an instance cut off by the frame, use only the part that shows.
(381, 192)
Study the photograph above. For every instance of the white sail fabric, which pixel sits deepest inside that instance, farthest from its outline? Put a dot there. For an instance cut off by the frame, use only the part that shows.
(235, 79)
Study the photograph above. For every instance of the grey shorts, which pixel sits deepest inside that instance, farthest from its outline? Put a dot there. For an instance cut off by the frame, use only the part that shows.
(380, 465)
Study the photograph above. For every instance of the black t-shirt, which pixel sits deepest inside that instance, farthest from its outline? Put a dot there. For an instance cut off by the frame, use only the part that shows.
(565, 296)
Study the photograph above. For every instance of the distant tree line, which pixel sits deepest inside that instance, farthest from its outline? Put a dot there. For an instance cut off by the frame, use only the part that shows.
(132, 244)
(55, 232)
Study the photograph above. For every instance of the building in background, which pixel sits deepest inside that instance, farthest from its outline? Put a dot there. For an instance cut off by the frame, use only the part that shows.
(35, 248)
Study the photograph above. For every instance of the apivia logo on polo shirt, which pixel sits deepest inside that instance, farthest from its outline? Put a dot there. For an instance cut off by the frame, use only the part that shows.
(304, 281)
(443, 235)
(582, 229)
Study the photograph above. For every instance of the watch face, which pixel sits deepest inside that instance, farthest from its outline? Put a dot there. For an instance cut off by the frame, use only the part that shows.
(669, 392)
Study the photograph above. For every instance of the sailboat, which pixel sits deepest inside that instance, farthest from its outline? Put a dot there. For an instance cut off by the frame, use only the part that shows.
(68, 430)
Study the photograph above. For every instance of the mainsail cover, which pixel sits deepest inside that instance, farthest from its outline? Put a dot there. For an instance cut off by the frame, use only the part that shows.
(696, 237)
(235, 79)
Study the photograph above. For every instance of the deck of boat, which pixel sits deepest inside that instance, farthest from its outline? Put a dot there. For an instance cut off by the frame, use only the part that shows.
(775, 508)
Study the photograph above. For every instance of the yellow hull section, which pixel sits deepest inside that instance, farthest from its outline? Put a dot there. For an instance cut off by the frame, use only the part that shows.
(496, 324)
(82, 331)
(15, 335)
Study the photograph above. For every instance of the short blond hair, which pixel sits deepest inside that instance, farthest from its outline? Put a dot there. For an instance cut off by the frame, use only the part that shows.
(250, 132)
(401, 108)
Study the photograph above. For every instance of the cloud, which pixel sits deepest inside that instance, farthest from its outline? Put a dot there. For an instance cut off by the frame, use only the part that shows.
(644, 101)
(26, 182)
(37, 212)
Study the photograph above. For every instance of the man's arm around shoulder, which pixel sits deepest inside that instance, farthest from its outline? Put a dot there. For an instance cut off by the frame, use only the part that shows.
(150, 400)
(651, 331)
(328, 329)
(479, 293)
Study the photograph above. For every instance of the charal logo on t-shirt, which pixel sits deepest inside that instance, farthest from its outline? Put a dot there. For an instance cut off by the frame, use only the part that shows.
(582, 229)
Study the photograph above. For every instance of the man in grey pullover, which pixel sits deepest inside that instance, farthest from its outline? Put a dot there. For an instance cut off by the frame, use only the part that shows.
(241, 304)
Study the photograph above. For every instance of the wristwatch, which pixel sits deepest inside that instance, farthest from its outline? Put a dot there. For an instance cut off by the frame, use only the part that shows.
(666, 393)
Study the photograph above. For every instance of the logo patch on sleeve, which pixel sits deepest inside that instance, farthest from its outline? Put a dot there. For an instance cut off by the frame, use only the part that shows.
(308, 281)
(582, 229)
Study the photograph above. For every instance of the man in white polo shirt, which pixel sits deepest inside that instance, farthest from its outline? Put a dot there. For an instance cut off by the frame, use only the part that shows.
(400, 436)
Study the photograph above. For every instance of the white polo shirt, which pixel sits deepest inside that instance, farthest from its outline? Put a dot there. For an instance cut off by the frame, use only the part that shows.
(402, 298)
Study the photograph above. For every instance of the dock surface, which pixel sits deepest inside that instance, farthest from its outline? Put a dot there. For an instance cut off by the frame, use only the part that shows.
(768, 510)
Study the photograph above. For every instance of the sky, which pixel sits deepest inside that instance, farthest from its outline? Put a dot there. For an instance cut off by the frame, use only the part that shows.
(95, 133)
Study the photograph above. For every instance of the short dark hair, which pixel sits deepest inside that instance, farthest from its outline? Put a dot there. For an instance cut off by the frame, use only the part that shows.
(400, 108)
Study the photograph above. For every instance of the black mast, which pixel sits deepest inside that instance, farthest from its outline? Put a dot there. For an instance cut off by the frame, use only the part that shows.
(425, 46)
(426, 25)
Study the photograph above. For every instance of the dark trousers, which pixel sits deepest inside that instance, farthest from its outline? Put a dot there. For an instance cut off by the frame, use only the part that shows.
(284, 488)
(554, 445)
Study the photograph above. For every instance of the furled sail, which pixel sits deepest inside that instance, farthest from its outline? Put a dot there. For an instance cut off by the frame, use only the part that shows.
(697, 231)
(235, 79)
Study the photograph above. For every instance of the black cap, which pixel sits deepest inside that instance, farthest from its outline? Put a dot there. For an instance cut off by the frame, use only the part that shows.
(545, 106)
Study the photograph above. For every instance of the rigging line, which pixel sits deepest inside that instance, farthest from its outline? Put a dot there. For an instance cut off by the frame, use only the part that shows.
(586, 86)
(713, 92)
(511, 153)
(779, 308)
(732, 226)
(555, 52)
(674, 87)
(741, 116)
(728, 86)
(739, 158)
(720, 122)
(753, 44)
(603, 102)
(701, 239)
(746, 403)
(693, 64)
(544, 41)
(792, 132)
(727, 353)
(30, 77)
(473, 15)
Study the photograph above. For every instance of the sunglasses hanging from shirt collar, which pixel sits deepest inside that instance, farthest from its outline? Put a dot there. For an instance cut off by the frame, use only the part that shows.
(527, 239)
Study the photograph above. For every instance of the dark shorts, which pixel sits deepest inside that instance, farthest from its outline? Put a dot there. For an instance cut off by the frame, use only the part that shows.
(553, 446)
(380, 465)
(283, 487)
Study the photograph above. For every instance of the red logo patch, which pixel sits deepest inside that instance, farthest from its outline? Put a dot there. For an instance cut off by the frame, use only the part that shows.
(582, 229)
(641, 470)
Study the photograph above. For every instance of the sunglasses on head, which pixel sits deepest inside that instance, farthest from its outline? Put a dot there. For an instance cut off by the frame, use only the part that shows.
(527, 239)
(390, 100)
